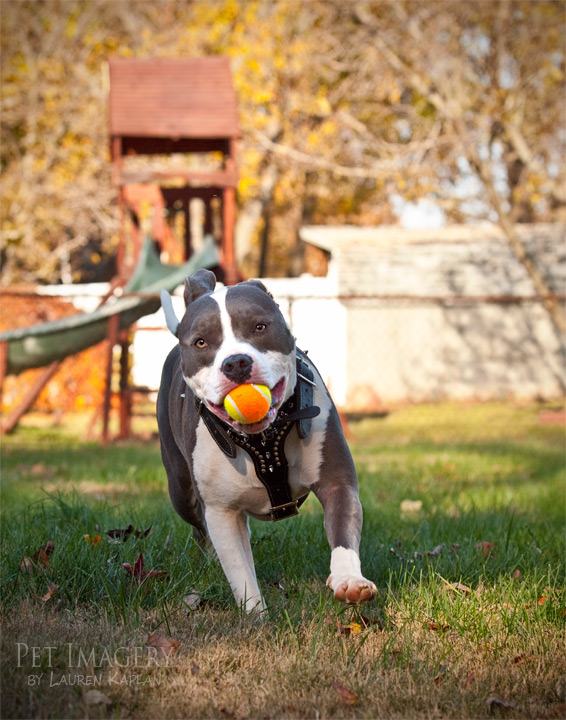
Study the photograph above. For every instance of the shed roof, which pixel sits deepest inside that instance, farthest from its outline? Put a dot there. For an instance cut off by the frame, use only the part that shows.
(453, 260)
(172, 98)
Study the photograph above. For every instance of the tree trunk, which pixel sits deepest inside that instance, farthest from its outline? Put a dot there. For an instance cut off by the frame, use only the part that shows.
(251, 214)
(507, 226)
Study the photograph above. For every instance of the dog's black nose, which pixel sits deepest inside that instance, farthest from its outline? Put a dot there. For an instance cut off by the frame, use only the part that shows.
(237, 368)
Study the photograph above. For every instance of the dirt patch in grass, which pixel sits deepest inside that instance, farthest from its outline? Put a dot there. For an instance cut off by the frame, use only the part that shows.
(553, 417)
(96, 490)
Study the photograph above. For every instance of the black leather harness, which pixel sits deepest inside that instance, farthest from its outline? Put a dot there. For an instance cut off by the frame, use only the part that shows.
(267, 449)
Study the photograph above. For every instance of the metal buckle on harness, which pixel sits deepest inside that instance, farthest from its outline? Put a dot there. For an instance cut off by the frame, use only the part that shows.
(280, 512)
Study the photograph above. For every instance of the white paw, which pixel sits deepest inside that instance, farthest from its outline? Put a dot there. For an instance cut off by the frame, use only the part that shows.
(346, 577)
(352, 590)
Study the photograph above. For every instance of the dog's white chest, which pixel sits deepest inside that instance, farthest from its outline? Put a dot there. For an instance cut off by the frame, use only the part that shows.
(226, 482)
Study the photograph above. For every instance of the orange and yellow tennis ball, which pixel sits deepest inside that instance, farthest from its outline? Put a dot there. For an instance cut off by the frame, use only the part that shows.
(248, 403)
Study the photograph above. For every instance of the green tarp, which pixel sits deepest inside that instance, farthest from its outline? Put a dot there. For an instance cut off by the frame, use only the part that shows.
(42, 344)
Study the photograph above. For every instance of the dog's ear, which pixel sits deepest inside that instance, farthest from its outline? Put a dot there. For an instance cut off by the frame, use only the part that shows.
(199, 283)
(170, 317)
(258, 284)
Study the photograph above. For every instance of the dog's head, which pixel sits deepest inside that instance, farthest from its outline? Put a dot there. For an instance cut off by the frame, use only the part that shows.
(232, 336)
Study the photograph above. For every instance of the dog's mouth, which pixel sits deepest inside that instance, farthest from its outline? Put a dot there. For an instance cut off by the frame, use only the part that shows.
(277, 395)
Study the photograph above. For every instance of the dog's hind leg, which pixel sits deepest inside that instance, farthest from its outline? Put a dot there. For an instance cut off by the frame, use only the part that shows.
(182, 491)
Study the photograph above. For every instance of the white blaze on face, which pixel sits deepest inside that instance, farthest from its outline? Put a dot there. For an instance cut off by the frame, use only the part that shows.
(268, 367)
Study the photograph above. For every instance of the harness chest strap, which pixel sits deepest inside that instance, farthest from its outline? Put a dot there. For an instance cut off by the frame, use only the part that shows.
(267, 449)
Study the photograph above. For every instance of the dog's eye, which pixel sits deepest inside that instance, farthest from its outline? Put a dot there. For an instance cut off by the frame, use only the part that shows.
(260, 327)
(201, 343)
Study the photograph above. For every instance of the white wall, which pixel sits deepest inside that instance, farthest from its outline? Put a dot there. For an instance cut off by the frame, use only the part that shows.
(406, 352)
(374, 352)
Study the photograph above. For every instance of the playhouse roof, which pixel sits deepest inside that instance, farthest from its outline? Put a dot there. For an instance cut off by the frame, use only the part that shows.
(173, 98)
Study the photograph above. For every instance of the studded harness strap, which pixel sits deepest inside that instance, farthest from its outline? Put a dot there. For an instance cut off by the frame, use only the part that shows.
(267, 449)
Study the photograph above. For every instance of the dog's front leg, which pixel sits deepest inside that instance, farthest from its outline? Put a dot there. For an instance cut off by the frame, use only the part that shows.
(229, 533)
(343, 525)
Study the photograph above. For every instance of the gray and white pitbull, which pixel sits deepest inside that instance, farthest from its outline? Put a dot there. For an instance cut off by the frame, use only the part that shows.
(227, 337)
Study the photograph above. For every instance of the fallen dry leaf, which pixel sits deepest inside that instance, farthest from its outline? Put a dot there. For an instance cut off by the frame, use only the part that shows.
(436, 552)
(39, 470)
(494, 701)
(437, 627)
(51, 590)
(411, 507)
(468, 682)
(142, 533)
(347, 697)
(95, 697)
(40, 557)
(49, 547)
(556, 712)
(124, 533)
(486, 548)
(520, 659)
(439, 679)
(27, 565)
(92, 540)
(280, 585)
(457, 586)
(164, 646)
(137, 572)
(352, 629)
(192, 600)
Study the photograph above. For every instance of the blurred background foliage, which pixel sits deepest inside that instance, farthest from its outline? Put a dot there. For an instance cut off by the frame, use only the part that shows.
(346, 109)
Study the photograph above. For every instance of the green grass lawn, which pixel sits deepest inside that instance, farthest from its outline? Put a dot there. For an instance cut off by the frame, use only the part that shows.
(464, 536)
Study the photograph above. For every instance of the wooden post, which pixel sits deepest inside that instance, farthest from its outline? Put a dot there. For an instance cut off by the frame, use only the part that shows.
(228, 221)
(112, 340)
(207, 229)
(125, 393)
(187, 212)
(117, 167)
(3, 367)
(121, 253)
(31, 396)
(158, 219)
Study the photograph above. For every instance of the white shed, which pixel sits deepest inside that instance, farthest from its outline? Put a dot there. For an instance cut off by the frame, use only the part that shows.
(416, 316)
